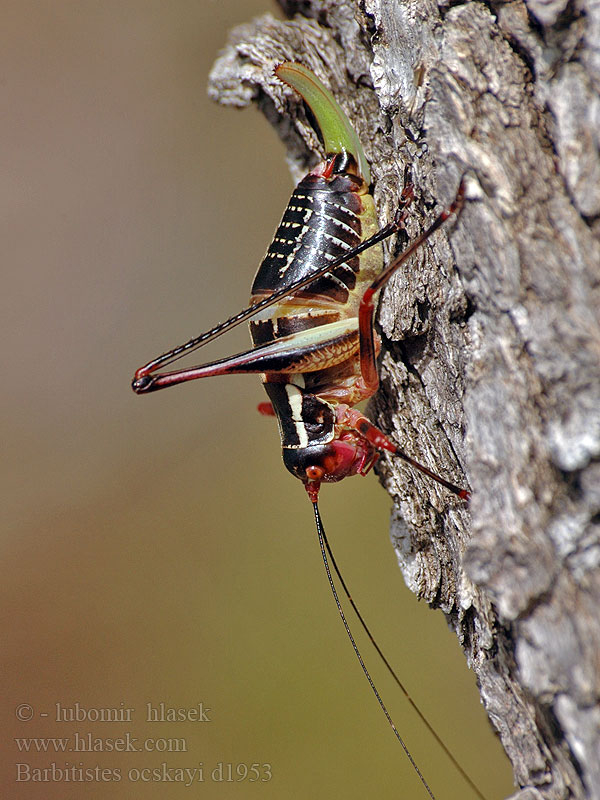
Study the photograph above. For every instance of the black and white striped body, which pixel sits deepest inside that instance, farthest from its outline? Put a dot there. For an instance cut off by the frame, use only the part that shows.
(321, 222)
(327, 216)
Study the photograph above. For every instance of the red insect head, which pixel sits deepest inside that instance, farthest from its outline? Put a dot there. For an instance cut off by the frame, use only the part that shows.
(350, 454)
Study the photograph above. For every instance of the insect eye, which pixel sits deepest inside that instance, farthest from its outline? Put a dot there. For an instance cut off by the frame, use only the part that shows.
(314, 473)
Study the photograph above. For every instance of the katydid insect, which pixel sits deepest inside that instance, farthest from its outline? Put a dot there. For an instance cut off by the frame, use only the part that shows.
(311, 322)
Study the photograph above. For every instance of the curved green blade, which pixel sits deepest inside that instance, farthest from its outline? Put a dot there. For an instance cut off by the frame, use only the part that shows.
(338, 134)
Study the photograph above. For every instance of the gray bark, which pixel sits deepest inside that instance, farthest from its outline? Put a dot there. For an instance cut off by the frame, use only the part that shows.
(491, 360)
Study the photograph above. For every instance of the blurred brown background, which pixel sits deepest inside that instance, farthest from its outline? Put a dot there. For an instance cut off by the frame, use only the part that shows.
(154, 548)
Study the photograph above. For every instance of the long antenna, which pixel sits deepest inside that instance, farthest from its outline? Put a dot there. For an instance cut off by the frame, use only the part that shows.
(392, 672)
(324, 549)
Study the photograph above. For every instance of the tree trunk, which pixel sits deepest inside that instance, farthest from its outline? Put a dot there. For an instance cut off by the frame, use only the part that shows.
(491, 357)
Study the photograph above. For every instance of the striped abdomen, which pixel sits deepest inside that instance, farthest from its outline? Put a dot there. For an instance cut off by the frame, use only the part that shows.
(327, 217)
(323, 221)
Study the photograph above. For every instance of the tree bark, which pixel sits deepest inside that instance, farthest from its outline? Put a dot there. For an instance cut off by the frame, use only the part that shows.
(491, 358)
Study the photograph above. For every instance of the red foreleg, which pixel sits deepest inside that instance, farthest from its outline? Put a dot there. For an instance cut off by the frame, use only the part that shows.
(354, 419)
(368, 356)
(358, 422)
(266, 409)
